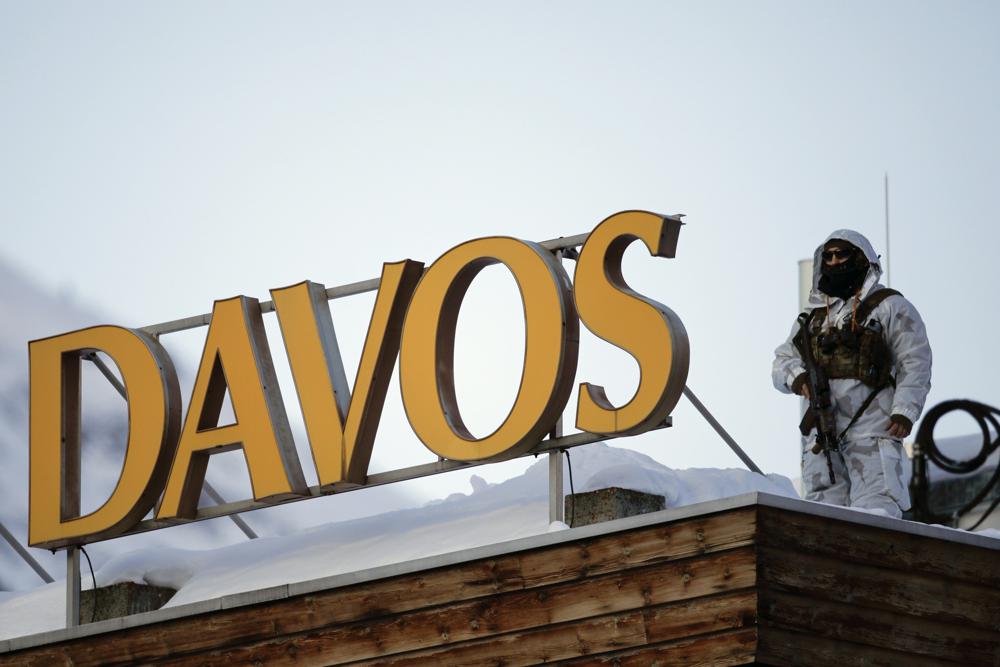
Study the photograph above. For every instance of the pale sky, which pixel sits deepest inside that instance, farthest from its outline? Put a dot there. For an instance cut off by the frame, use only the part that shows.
(157, 156)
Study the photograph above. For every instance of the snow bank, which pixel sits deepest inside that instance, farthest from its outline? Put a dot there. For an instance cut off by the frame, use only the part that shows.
(491, 513)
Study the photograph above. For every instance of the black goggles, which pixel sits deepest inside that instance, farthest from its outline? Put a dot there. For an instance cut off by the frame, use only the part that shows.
(837, 253)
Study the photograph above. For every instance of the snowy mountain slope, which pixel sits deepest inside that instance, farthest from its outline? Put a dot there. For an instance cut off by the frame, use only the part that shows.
(32, 314)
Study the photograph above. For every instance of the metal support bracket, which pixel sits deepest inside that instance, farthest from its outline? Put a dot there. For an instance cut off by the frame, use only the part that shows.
(25, 555)
(700, 407)
(235, 518)
(72, 587)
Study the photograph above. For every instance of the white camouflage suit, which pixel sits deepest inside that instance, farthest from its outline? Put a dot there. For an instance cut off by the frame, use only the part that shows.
(868, 467)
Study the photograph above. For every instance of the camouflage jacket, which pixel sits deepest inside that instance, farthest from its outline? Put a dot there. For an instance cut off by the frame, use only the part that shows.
(905, 336)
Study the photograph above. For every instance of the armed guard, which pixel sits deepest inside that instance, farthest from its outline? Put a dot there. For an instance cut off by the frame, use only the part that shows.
(859, 357)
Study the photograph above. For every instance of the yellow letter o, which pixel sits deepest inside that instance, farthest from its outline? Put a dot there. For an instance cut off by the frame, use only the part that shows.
(427, 350)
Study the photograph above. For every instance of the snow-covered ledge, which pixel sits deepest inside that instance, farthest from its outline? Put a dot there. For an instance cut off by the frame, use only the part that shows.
(494, 550)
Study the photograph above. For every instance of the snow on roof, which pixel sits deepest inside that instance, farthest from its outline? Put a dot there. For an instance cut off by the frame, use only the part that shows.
(490, 514)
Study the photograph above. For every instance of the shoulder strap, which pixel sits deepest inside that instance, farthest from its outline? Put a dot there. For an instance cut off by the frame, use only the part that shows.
(872, 301)
(804, 319)
(864, 406)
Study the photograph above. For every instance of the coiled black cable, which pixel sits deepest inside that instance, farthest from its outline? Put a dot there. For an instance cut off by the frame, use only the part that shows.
(986, 418)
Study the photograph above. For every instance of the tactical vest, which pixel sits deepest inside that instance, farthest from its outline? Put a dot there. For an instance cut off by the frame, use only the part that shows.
(857, 351)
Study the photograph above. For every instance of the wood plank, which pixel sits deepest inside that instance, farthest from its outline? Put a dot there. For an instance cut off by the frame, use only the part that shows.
(723, 649)
(596, 635)
(655, 544)
(905, 592)
(544, 645)
(398, 595)
(783, 648)
(505, 613)
(25, 659)
(782, 529)
(876, 627)
(701, 616)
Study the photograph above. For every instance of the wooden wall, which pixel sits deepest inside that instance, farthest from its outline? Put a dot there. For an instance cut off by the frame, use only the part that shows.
(751, 585)
(666, 592)
(838, 593)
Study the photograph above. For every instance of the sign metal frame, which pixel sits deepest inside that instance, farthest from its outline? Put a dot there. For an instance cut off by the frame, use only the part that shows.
(554, 444)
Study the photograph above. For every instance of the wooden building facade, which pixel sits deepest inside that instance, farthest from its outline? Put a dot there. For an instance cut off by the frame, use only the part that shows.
(753, 580)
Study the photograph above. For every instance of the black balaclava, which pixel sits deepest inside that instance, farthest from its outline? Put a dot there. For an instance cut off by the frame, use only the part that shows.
(845, 279)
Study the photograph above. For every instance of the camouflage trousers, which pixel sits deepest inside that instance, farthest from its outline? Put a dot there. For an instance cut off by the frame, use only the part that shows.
(868, 471)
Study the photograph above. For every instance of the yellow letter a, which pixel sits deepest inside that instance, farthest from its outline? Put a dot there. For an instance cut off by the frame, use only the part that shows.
(236, 356)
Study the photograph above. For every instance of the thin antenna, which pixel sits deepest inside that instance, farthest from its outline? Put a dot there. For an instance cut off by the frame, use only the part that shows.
(888, 280)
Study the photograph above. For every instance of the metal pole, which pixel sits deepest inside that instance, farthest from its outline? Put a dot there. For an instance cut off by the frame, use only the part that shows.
(699, 406)
(888, 279)
(556, 478)
(236, 518)
(556, 512)
(106, 372)
(72, 587)
(341, 291)
(207, 488)
(23, 553)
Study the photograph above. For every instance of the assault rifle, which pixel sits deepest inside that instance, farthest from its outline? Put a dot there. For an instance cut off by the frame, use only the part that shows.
(820, 412)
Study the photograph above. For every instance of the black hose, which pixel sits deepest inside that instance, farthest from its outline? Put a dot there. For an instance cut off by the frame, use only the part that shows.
(986, 418)
(93, 608)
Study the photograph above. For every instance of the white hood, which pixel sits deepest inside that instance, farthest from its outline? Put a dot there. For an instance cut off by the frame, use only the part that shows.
(817, 298)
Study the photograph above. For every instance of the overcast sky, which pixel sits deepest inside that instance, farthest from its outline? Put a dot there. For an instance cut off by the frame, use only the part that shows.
(157, 156)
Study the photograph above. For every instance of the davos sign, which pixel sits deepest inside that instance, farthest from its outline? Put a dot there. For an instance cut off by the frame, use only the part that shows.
(414, 319)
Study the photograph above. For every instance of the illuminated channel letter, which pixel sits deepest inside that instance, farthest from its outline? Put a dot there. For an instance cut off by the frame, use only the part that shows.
(342, 429)
(647, 330)
(426, 357)
(236, 356)
(154, 410)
